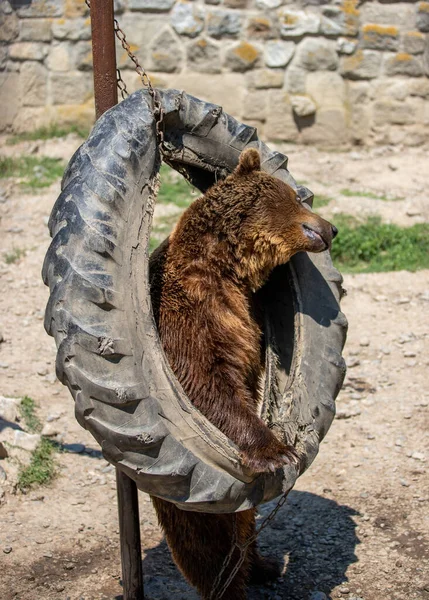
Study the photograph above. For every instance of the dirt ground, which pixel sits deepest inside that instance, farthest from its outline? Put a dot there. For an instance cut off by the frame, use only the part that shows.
(357, 524)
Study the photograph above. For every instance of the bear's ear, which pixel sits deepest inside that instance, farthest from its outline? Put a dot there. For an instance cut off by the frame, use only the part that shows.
(249, 161)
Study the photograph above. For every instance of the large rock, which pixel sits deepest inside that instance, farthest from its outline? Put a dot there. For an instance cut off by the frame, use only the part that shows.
(242, 57)
(419, 87)
(314, 54)
(358, 92)
(413, 42)
(261, 27)
(380, 37)
(359, 124)
(364, 64)
(222, 23)
(263, 79)
(59, 57)
(73, 87)
(303, 106)
(394, 13)
(33, 82)
(9, 409)
(71, 29)
(295, 78)
(393, 112)
(166, 53)
(403, 64)
(346, 45)
(235, 3)
(225, 89)
(141, 29)
(151, 5)
(40, 8)
(9, 27)
(187, 18)
(327, 89)
(255, 105)
(359, 95)
(296, 23)
(204, 56)
(26, 441)
(268, 4)
(391, 88)
(278, 54)
(82, 56)
(35, 30)
(422, 20)
(28, 51)
(9, 86)
(330, 128)
(280, 124)
(78, 8)
(343, 20)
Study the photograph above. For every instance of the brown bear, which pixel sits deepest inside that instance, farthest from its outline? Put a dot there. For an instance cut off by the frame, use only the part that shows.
(220, 253)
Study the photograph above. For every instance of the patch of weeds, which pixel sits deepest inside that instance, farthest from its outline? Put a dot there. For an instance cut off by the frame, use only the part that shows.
(174, 189)
(13, 256)
(34, 172)
(353, 193)
(321, 200)
(28, 414)
(373, 246)
(54, 130)
(41, 469)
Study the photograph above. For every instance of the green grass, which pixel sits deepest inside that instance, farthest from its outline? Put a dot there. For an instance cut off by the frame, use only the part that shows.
(373, 246)
(54, 130)
(174, 188)
(28, 414)
(34, 172)
(13, 256)
(321, 200)
(349, 193)
(41, 469)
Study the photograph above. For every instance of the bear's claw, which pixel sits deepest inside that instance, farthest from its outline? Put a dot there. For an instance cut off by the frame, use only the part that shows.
(266, 460)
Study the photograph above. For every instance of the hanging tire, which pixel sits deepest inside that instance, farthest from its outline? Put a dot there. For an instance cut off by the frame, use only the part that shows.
(100, 311)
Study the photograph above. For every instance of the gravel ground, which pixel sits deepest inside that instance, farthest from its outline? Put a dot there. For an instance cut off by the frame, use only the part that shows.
(356, 525)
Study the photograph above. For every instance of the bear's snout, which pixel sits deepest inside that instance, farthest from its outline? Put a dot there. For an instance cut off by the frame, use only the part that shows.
(318, 234)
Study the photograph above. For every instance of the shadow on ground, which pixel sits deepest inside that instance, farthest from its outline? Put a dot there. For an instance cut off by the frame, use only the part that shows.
(313, 536)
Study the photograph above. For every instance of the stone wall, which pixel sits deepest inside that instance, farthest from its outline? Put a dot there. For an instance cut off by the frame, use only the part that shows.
(312, 71)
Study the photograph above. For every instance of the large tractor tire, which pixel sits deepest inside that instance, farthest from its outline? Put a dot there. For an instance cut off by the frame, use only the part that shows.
(100, 312)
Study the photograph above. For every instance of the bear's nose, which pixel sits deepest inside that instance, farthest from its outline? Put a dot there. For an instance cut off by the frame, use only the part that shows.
(334, 231)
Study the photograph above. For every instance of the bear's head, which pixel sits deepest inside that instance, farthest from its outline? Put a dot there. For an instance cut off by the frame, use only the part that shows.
(275, 224)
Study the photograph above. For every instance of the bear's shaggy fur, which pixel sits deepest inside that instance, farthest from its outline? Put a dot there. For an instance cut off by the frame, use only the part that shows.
(222, 250)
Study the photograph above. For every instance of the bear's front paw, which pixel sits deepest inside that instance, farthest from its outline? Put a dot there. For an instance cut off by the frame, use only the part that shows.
(270, 458)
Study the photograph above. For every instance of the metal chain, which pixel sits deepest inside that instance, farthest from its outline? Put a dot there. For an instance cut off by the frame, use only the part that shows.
(242, 548)
(145, 79)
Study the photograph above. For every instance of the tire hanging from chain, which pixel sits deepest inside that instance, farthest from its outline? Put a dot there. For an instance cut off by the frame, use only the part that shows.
(203, 144)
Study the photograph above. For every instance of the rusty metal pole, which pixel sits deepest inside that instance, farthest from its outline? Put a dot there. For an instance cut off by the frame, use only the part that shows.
(106, 96)
(103, 55)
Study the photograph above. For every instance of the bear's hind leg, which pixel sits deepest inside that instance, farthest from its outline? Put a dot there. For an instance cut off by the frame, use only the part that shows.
(200, 542)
